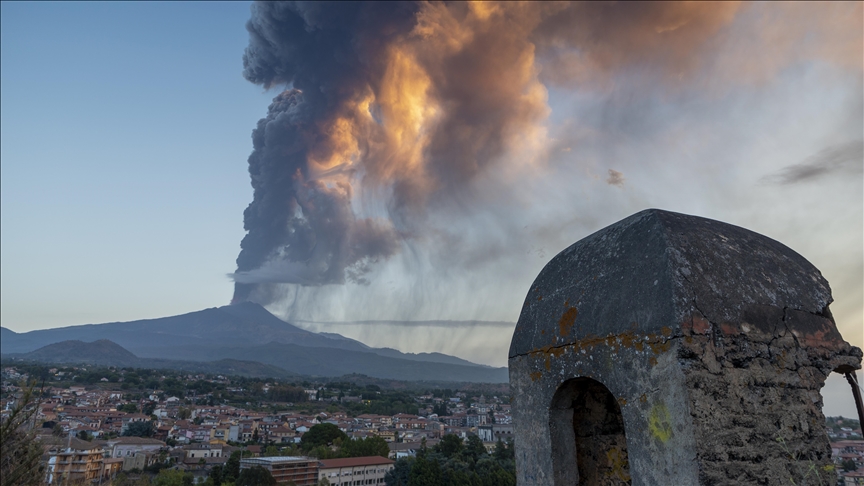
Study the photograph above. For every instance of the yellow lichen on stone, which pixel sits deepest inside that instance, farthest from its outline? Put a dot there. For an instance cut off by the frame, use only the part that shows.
(659, 422)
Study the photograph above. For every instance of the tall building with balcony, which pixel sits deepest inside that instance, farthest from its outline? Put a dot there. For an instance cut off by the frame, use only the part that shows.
(78, 462)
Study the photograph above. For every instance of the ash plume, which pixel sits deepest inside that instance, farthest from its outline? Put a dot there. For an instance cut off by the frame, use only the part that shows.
(396, 121)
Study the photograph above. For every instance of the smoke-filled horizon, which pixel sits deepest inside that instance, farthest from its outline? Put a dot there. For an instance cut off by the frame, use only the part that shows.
(424, 160)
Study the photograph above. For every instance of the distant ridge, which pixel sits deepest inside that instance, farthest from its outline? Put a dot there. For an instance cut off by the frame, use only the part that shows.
(102, 352)
(106, 353)
(245, 332)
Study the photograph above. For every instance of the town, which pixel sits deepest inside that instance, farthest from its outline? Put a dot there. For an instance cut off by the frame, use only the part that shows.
(107, 425)
(102, 424)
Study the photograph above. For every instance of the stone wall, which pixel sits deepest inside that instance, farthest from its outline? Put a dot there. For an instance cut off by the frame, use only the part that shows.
(755, 401)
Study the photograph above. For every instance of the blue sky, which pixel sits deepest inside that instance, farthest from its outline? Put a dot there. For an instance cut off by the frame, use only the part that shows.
(126, 127)
(125, 130)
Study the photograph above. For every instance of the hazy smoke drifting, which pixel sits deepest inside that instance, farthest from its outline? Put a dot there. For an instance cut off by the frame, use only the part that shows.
(398, 117)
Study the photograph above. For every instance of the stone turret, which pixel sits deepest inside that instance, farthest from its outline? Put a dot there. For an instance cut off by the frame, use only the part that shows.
(669, 349)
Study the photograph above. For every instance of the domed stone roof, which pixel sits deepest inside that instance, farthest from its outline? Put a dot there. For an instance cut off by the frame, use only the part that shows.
(659, 272)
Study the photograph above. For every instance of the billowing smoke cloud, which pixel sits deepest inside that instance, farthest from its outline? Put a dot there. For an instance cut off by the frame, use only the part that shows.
(398, 119)
(395, 103)
(301, 225)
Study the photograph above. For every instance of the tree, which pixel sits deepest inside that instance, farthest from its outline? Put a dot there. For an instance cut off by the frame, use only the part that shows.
(139, 429)
(449, 446)
(370, 446)
(84, 435)
(440, 409)
(19, 450)
(232, 468)
(255, 476)
(323, 482)
(398, 476)
(474, 448)
(321, 434)
(173, 477)
(323, 452)
(216, 474)
(184, 413)
(425, 473)
(849, 465)
(501, 450)
(128, 408)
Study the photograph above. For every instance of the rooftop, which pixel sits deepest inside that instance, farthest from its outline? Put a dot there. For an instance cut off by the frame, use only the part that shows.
(274, 460)
(353, 462)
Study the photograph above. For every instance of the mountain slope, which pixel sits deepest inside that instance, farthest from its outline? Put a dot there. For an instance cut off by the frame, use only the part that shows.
(337, 362)
(244, 324)
(107, 353)
(245, 332)
(273, 360)
(102, 352)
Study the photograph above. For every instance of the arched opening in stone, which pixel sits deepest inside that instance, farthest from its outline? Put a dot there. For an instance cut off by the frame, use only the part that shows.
(589, 446)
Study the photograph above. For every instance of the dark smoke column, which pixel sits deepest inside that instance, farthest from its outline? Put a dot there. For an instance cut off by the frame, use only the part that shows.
(300, 226)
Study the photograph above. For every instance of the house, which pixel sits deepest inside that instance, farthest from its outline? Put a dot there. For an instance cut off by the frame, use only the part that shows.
(494, 432)
(282, 435)
(388, 435)
(398, 450)
(129, 446)
(110, 467)
(354, 470)
(197, 451)
(224, 433)
(138, 461)
(853, 478)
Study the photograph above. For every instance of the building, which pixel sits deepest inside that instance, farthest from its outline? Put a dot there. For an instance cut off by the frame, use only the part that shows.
(494, 432)
(197, 451)
(129, 446)
(398, 450)
(303, 471)
(80, 461)
(110, 467)
(354, 470)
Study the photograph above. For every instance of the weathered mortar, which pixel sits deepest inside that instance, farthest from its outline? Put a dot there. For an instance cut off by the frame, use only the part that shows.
(714, 340)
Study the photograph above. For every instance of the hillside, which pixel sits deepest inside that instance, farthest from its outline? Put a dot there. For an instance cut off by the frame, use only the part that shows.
(274, 359)
(107, 353)
(244, 324)
(102, 352)
(245, 332)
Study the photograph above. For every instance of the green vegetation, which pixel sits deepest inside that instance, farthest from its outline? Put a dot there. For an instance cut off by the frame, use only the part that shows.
(352, 394)
(19, 451)
(453, 462)
(128, 408)
(255, 476)
(144, 428)
(321, 435)
(173, 477)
